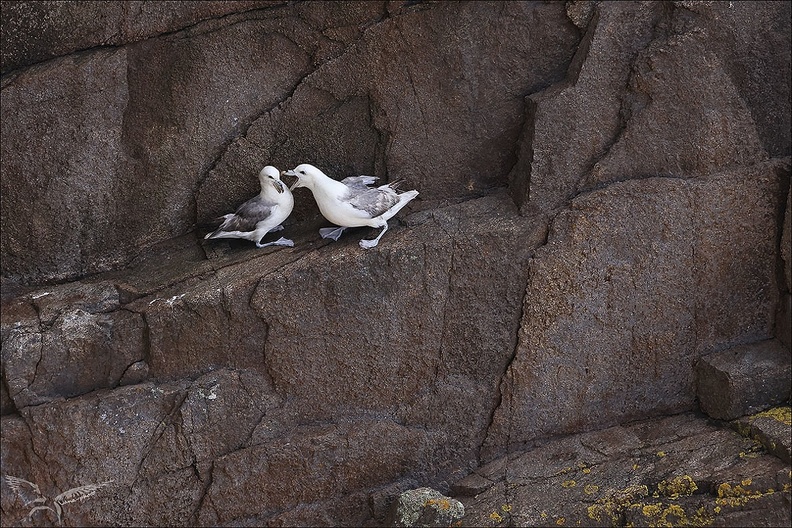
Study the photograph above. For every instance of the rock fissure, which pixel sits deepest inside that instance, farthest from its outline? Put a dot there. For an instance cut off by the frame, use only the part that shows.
(162, 426)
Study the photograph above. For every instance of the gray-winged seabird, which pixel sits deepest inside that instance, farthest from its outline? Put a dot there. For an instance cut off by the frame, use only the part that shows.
(351, 202)
(261, 214)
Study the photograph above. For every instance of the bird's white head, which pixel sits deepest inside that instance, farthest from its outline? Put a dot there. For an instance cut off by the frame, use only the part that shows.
(306, 175)
(269, 175)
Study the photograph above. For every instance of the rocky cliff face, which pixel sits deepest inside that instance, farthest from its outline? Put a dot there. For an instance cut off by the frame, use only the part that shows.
(604, 200)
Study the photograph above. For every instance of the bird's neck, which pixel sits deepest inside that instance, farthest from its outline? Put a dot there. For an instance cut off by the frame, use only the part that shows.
(327, 185)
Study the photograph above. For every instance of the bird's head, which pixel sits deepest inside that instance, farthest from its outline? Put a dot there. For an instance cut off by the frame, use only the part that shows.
(306, 175)
(269, 175)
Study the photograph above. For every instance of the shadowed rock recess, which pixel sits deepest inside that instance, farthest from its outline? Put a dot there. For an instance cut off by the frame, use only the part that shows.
(601, 241)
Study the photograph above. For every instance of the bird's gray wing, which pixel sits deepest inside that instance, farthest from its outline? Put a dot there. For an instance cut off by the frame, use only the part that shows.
(374, 201)
(359, 181)
(248, 215)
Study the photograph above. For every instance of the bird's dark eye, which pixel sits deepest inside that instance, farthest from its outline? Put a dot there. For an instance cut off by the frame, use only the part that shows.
(302, 172)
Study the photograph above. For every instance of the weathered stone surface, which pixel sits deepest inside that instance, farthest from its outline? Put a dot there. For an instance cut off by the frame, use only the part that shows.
(445, 122)
(215, 383)
(744, 379)
(678, 470)
(383, 320)
(57, 200)
(784, 317)
(72, 339)
(603, 280)
(183, 117)
(471, 485)
(639, 72)
(773, 428)
(763, 85)
(786, 242)
(157, 443)
(360, 454)
(37, 31)
(583, 111)
(425, 507)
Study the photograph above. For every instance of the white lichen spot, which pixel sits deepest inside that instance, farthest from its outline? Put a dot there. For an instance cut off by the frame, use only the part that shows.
(78, 323)
(211, 395)
(170, 302)
(39, 295)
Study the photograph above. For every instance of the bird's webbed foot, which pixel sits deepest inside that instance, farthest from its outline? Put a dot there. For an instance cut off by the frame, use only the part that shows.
(331, 232)
(368, 244)
(280, 242)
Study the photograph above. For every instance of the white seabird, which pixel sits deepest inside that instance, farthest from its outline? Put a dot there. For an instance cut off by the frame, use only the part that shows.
(351, 202)
(262, 214)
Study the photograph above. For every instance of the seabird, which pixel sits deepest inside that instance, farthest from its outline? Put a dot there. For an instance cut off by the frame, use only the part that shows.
(262, 214)
(351, 202)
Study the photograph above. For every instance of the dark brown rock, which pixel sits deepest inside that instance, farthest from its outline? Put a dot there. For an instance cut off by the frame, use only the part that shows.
(604, 278)
(681, 470)
(216, 383)
(773, 428)
(639, 72)
(37, 31)
(784, 316)
(743, 380)
(582, 112)
(72, 340)
(471, 485)
(182, 118)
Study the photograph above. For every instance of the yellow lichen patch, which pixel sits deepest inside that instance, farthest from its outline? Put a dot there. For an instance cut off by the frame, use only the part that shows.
(661, 454)
(443, 504)
(652, 510)
(560, 521)
(568, 484)
(734, 496)
(779, 414)
(506, 507)
(614, 502)
(594, 512)
(590, 489)
(563, 471)
(659, 514)
(746, 482)
(682, 486)
(495, 516)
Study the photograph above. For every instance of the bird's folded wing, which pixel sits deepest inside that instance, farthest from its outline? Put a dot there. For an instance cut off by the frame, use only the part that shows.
(374, 201)
(248, 215)
(359, 181)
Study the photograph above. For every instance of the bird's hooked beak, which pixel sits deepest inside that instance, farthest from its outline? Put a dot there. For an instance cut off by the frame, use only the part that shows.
(279, 186)
(297, 183)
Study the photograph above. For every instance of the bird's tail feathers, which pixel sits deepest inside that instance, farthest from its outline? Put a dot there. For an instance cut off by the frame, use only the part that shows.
(394, 184)
(404, 199)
